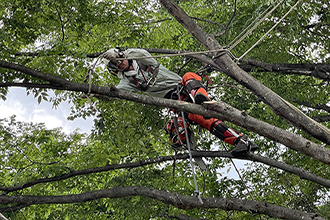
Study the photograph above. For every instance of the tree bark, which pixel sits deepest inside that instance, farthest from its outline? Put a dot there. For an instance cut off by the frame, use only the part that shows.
(320, 71)
(177, 200)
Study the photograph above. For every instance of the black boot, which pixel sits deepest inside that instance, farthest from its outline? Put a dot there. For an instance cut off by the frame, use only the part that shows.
(242, 146)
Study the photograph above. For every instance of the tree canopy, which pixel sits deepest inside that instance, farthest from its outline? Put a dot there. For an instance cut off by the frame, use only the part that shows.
(125, 168)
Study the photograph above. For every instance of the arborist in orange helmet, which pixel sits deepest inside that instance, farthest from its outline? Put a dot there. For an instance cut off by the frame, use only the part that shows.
(154, 79)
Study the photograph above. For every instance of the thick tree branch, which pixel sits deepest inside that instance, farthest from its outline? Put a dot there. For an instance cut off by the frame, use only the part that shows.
(55, 80)
(177, 200)
(303, 174)
(322, 118)
(320, 71)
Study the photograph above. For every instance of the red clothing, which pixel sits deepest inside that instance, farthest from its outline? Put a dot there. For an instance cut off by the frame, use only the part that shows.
(212, 123)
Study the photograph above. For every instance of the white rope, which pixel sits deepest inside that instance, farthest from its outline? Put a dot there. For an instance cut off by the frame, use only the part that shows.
(255, 26)
(90, 72)
(269, 30)
(173, 55)
(197, 193)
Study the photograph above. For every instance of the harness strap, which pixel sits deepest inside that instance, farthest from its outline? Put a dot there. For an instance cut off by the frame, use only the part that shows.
(149, 69)
(144, 85)
(140, 85)
(207, 79)
(194, 84)
(154, 72)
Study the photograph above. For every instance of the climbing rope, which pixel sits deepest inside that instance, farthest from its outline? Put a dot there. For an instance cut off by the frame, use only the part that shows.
(176, 54)
(90, 72)
(197, 193)
(258, 22)
(88, 78)
(269, 30)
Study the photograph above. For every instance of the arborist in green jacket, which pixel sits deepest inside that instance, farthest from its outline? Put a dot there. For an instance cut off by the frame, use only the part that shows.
(148, 75)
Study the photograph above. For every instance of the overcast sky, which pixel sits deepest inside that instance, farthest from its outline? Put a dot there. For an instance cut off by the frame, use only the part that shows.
(27, 109)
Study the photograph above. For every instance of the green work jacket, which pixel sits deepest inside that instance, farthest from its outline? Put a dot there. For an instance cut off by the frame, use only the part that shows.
(158, 86)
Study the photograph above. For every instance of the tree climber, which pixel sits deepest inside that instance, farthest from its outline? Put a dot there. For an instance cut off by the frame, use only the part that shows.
(149, 76)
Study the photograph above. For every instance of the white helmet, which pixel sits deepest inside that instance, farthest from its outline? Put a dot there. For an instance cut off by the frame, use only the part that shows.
(111, 56)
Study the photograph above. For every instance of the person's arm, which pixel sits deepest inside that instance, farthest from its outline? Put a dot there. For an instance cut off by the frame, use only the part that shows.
(142, 53)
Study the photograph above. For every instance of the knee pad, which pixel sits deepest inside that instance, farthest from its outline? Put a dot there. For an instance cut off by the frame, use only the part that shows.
(193, 84)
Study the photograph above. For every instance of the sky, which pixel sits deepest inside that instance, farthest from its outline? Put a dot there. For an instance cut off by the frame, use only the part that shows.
(27, 109)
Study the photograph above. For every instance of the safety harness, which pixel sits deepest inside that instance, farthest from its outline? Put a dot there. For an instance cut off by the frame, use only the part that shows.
(145, 84)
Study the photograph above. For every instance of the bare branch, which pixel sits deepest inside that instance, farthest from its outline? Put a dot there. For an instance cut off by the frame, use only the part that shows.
(320, 107)
(232, 17)
(212, 22)
(320, 71)
(177, 200)
(148, 22)
(322, 118)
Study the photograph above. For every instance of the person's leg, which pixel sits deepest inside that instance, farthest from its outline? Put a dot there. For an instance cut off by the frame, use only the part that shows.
(221, 130)
(195, 88)
(216, 127)
(176, 129)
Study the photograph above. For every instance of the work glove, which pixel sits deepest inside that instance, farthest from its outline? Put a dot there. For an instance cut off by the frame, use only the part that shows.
(111, 56)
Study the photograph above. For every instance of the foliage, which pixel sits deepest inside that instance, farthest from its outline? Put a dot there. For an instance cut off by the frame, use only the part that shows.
(62, 35)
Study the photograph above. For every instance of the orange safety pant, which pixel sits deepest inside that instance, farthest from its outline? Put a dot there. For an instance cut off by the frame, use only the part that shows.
(212, 123)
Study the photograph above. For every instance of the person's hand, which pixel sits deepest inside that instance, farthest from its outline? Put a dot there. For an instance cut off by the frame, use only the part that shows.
(111, 56)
